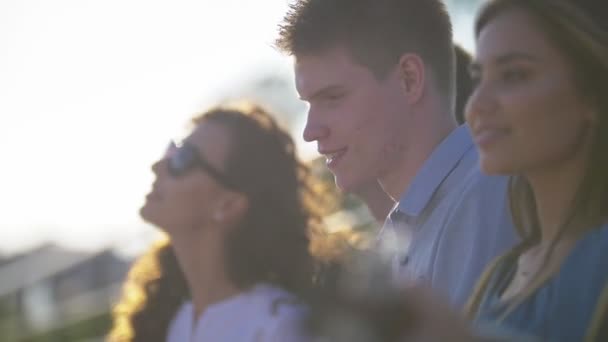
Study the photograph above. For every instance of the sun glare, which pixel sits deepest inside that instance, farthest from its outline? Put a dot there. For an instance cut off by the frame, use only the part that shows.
(91, 91)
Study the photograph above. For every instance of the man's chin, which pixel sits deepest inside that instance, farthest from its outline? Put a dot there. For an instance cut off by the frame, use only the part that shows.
(344, 185)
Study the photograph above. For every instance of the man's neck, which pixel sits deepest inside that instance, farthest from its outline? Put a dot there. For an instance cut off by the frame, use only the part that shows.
(419, 148)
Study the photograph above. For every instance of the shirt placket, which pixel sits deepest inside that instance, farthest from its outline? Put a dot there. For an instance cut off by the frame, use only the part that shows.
(402, 233)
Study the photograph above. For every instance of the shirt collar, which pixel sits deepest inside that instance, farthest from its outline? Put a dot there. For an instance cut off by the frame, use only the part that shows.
(435, 169)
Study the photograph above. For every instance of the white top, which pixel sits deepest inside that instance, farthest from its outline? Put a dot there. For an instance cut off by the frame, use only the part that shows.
(263, 314)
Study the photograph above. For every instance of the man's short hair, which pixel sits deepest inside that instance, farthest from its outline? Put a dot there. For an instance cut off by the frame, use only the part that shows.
(376, 32)
(464, 82)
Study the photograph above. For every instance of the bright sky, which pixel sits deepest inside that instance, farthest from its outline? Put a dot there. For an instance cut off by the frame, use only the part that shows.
(91, 91)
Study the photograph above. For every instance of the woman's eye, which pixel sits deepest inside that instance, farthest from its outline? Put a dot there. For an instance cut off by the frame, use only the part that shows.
(514, 75)
(333, 97)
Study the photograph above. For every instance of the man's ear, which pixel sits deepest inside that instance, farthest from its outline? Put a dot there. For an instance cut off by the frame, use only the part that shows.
(412, 75)
(231, 207)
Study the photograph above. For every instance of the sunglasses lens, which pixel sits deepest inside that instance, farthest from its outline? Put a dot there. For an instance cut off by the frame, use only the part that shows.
(180, 160)
(183, 158)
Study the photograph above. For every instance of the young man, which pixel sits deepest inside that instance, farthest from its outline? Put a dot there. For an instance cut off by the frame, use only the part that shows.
(379, 78)
(371, 193)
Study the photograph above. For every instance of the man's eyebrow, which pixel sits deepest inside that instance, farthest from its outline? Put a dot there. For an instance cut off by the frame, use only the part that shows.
(323, 91)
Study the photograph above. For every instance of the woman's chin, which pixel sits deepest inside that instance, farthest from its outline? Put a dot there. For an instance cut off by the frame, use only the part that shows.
(495, 167)
(147, 213)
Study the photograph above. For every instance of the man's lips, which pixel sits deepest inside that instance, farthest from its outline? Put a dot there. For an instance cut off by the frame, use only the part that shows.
(333, 156)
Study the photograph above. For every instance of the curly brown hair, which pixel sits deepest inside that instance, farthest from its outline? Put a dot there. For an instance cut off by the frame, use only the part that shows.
(274, 243)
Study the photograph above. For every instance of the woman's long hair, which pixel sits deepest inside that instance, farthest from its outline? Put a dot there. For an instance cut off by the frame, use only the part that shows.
(274, 243)
(154, 290)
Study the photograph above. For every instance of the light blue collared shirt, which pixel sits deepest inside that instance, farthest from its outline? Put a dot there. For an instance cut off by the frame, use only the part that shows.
(450, 222)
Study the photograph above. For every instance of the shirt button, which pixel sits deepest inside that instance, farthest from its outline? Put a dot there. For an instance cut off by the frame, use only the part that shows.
(396, 216)
(404, 260)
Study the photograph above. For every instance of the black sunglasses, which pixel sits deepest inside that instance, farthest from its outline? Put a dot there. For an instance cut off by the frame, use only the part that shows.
(184, 157)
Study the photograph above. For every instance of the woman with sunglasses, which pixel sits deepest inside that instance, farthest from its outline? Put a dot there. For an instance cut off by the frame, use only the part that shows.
(235, 203)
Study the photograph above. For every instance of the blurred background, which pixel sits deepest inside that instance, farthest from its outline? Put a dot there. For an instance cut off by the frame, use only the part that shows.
(91, 91)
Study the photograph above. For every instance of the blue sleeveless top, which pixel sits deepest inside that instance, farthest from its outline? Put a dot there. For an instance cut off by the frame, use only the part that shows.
(563, 308)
